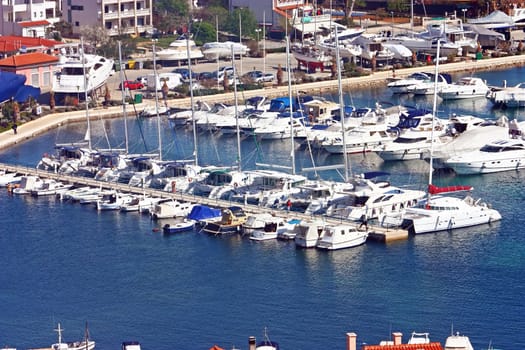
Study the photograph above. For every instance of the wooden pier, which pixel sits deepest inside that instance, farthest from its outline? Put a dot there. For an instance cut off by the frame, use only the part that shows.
(376, 233)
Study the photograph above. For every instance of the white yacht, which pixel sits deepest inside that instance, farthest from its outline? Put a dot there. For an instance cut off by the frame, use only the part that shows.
(372, 197)
(170, 209)
(73, 69)
(273, 228)
(427, 87)
(341, 236)
(404, 85)
(458, 342)
(85, 344)
(508, 97)
(467, 141)
(216, 50)
(442, 212)
(495, 156)
(466, 87)
(178, 51)
(308, 233)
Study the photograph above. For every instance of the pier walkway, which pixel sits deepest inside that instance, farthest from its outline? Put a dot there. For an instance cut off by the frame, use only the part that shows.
(376, 233)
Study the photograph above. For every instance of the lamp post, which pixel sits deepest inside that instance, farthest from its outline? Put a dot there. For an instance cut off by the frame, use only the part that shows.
(464, 15)
(392, 16)
(258, 30)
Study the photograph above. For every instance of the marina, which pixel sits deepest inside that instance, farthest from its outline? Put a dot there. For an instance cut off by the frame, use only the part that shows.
(175, 277)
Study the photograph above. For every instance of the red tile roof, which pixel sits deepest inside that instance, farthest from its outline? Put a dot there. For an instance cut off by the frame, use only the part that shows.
(27, 59)
(13, 43)
(429, 346)
(34, 23)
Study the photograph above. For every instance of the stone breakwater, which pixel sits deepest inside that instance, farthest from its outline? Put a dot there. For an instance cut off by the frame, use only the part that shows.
(379, 78)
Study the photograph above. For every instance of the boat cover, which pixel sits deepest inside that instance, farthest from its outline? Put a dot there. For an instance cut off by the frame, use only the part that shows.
(202, 212)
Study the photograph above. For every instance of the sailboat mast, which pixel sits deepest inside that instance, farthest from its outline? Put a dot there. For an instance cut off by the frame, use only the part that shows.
(195, 152)
(434, 109)
(123, 93)
(157, 98)
(288, 68)
(341, 104)
(236, 111)
(85, 91)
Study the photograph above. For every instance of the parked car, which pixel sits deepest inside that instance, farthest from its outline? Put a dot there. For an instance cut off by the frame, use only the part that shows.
(131, 85)
(205, 76)
(185, 73)
(257, 76)
(143, 80)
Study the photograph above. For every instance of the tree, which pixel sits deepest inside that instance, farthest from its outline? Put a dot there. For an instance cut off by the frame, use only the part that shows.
(213, 15)
(171, 14)
(248, 22)
(95, 36)
(203, 32)
(64, 28)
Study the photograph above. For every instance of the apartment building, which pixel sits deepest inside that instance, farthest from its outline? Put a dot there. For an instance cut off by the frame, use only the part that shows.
(28, 17)
(118, 17)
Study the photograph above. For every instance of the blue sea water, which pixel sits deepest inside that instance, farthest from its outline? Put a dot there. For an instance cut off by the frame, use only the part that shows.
(68, 263)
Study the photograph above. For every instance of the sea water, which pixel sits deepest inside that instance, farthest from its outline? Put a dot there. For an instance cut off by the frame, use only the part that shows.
(68, 263)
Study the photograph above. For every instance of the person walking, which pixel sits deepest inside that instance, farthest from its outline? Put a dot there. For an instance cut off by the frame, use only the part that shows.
(15, 127)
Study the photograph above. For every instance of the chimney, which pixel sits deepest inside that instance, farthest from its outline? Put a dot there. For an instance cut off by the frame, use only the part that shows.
(251, 343)
(351, 341)
(397, 337)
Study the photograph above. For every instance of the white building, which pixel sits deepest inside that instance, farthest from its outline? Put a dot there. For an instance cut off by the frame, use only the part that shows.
(28, 18)
(117, 16)
(264, 9)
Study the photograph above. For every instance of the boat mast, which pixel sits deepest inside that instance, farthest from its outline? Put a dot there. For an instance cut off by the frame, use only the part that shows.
(288, 68)
(236, 111)
(341, 104)
(82, 57)
(195, 153)
(59, 329)
(157, 98)
(434, 108)
(123, 93)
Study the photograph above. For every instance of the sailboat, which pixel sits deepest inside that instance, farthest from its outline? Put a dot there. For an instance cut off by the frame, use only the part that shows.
(441, 210)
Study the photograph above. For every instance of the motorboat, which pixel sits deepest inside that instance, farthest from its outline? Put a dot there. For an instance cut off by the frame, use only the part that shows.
(82, 73)
(113, 200)
(364, 138)
(308, 233)
(231, 222)
(184, 225)
(467, 141)
(27, 184)
(441, 211)
(404, 85)
(130, 345)
(50, 187)
(283, 127)
(419, 338)
(171, 208)
(417, 43)
(427, 87)
(372, 196)
(202, 214)
(416, 134)
(154, 111)
(401, 52)
(9, 178)
(178, 51)
(495, 156)
(373, 49)
(508, 97)
(256, 221)
(143, 203)
(85, 344)
(216, 50)
(341, 236)
(273, 228)
(466, 87)
(458, 342)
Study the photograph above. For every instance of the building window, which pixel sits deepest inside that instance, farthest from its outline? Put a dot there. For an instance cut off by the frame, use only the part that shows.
(77, 8)
(46, 79)
(34, 79)
(77, 24)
